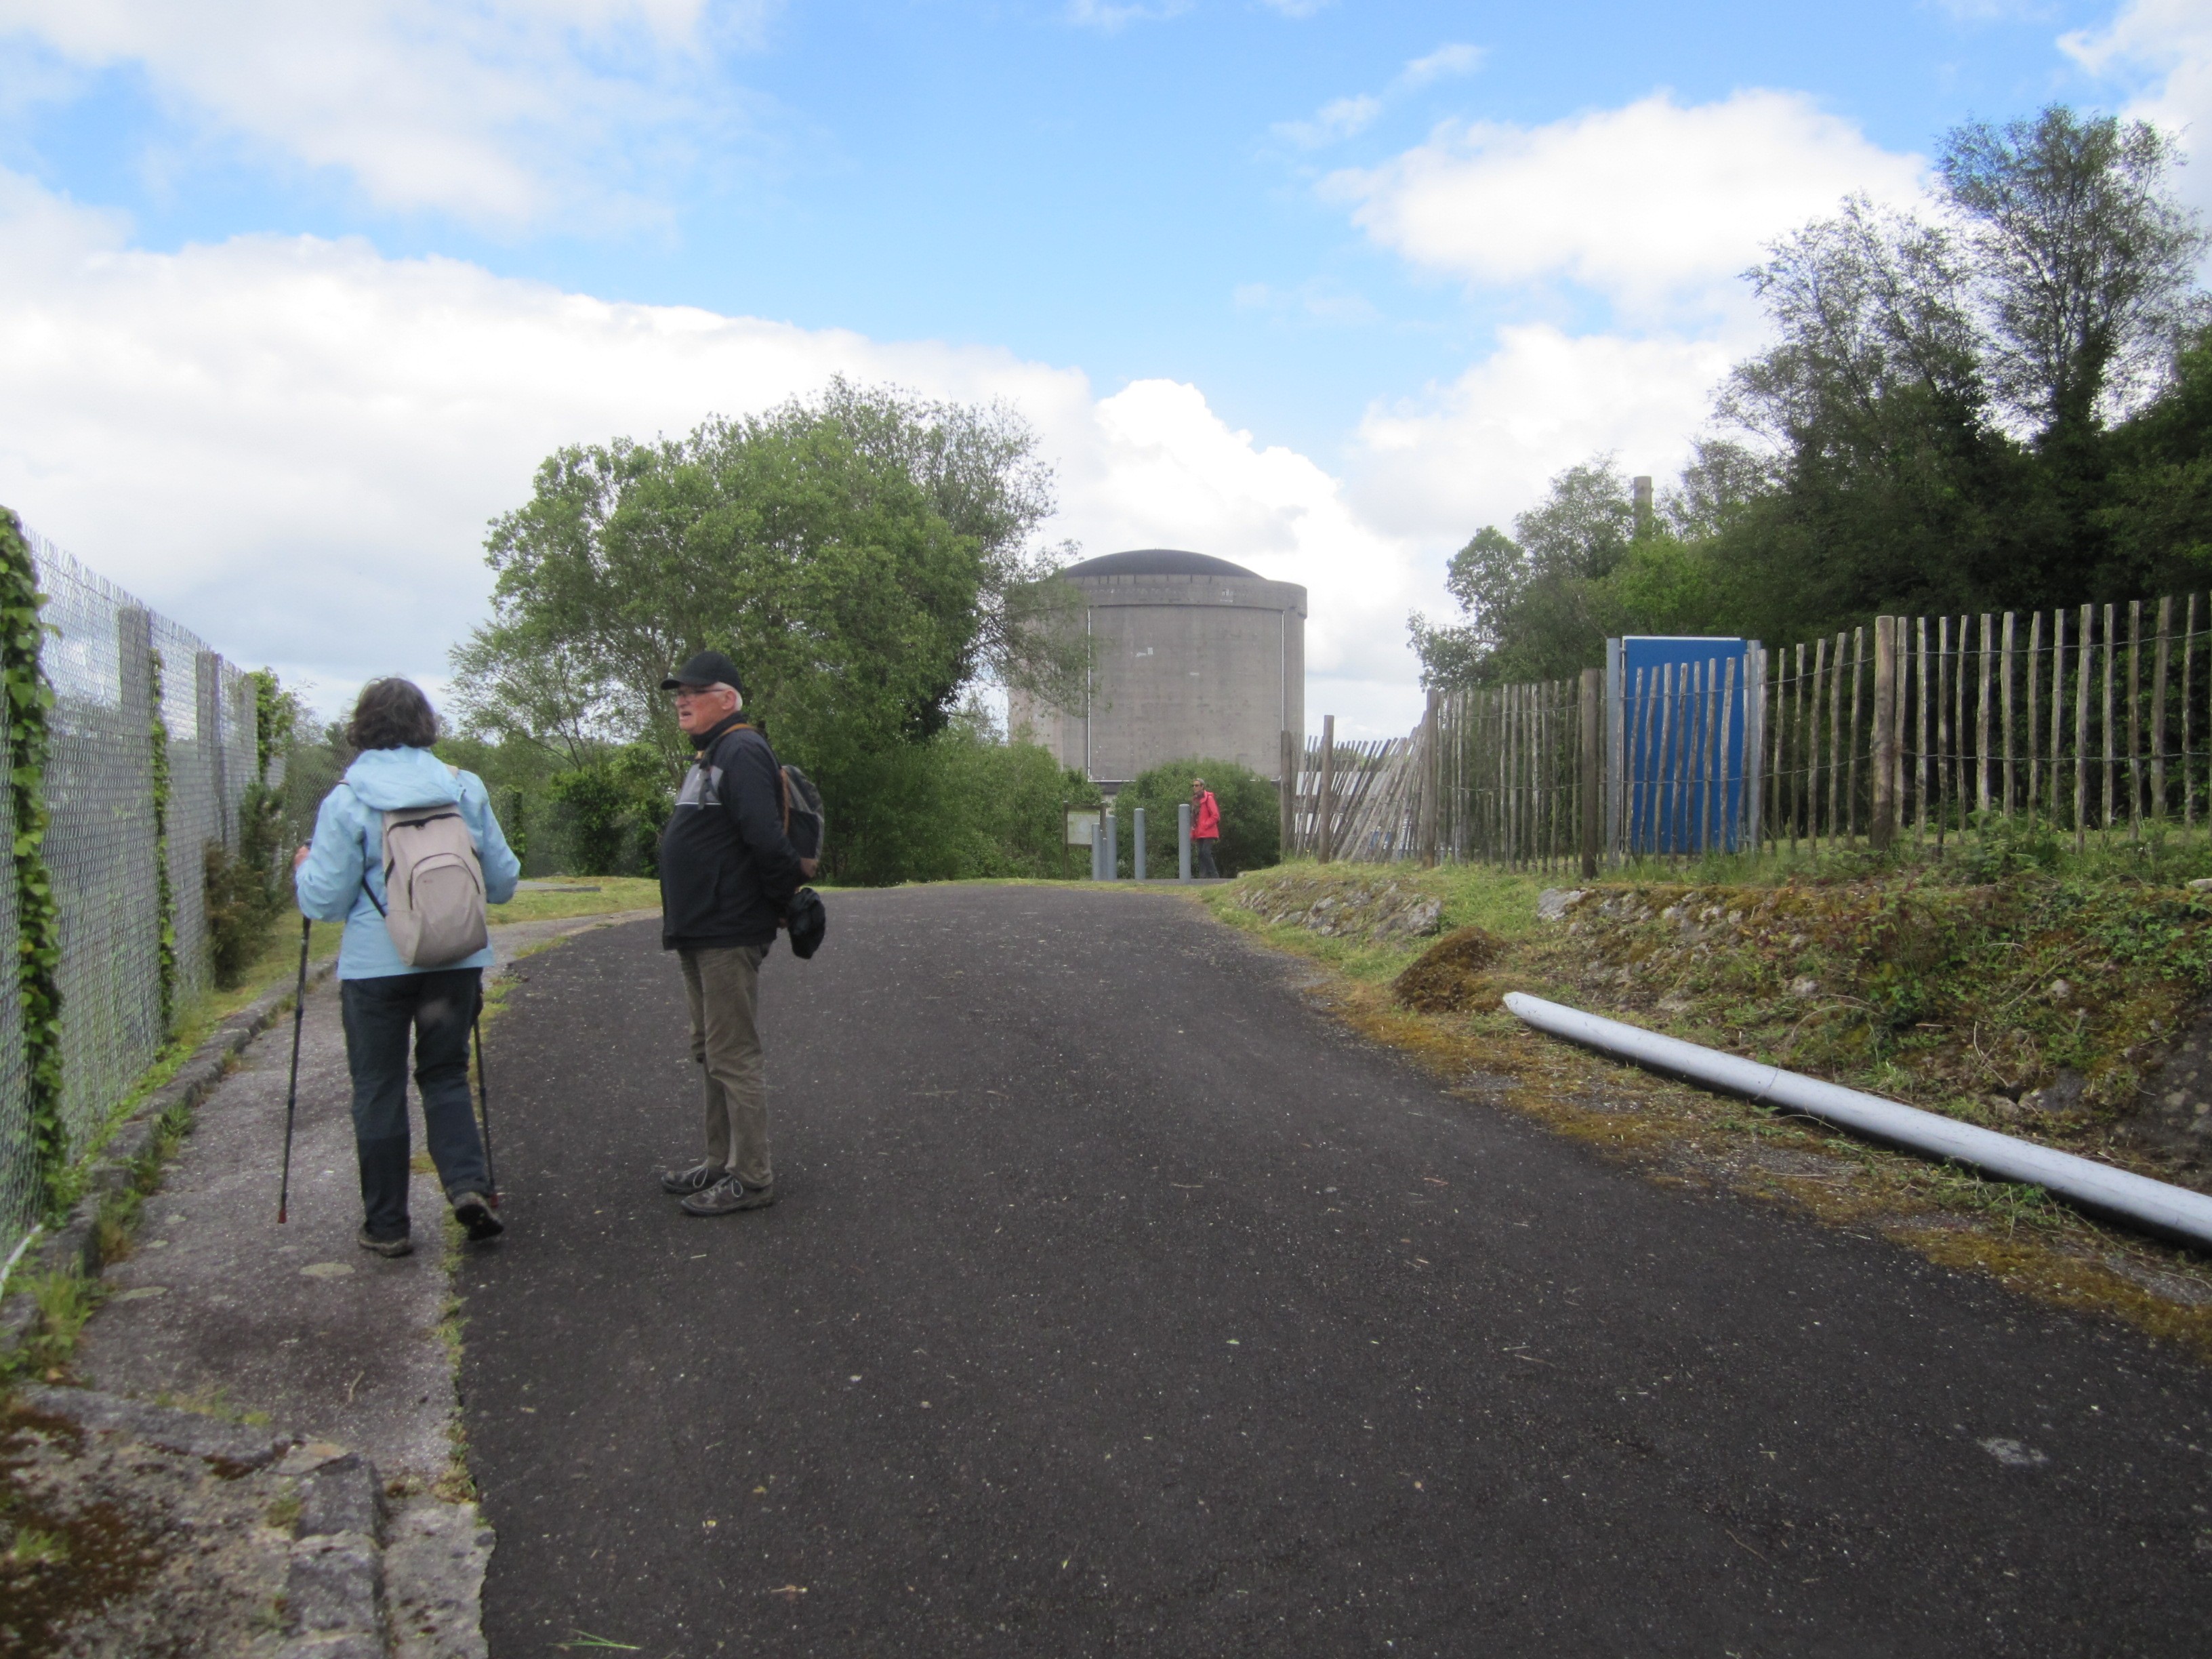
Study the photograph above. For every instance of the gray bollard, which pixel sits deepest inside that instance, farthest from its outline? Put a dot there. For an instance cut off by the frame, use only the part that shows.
(1182, 842)
(1137, 852)
(1113, 821)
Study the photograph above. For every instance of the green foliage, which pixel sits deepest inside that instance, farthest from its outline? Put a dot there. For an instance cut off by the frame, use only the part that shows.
(610, 811)
(28, 699)
(2003, 403)
(246, 890)
(862, 556)
(1251, 816)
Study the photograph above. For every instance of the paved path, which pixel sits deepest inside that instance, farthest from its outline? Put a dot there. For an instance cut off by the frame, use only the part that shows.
(1118, 1303)
(219, 1306)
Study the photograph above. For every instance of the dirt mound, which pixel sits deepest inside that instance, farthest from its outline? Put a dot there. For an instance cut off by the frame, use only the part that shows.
(1449, 976)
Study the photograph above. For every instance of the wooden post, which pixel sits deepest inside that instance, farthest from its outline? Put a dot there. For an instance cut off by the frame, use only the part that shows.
(2004, 704)
(1923, 771)
(2158, 710)
(2134, 719)
(1432, 777)
(1813, 744)
(1885, 726)
(2112, 737)
(2034, 713)
(2084, 670)
(1852, 745)
(1946, 751)
(1983, 662)
(1286, 826)
(1836, 740)
(1325, 796)
(1593, 757)
(2058, 714)
(2188, 766)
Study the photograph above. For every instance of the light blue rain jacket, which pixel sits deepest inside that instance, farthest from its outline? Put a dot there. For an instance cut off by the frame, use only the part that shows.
(348, 845)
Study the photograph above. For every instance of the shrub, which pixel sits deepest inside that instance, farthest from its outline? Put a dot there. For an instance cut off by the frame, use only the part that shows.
(1251, 816)
(246, 890)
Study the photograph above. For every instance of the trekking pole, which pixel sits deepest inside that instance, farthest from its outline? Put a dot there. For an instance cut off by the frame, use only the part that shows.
(483, 1104)
(292, 1089)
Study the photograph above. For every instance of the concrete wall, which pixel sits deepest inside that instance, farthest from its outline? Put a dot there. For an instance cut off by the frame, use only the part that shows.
(1186, 665)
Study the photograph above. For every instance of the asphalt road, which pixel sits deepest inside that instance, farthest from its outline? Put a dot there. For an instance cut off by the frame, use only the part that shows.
(1117, 1303)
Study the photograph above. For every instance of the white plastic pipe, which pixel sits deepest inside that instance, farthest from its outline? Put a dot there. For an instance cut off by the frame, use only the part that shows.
(2155, 1207)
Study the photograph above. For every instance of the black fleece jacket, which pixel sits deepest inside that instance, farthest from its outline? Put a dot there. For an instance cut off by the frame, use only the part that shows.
(726, 871)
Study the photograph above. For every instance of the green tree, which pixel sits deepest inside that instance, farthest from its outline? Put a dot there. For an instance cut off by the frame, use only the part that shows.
(2086, 265)
(863, 555)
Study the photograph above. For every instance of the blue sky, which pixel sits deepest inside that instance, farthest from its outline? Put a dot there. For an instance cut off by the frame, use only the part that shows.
(1321, 287)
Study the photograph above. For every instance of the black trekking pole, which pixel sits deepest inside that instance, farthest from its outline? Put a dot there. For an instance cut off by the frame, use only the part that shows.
(483, 1104)
(292, 1089)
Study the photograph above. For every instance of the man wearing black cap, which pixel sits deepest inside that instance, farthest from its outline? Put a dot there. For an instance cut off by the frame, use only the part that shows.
(727, 872)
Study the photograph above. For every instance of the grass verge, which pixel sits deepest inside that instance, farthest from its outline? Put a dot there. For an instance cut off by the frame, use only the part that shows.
(1689, 1140)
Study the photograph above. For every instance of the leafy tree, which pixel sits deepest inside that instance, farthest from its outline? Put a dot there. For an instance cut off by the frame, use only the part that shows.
(1526, 599)
(863, 555)
(2085, 266)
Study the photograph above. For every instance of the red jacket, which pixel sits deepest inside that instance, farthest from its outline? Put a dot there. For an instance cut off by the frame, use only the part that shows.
(1208, 827)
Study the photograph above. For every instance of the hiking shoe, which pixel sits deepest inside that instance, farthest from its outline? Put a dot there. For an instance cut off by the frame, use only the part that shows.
(696, 1179)
(727, 1195)
(402, 1245)
(476, 1217)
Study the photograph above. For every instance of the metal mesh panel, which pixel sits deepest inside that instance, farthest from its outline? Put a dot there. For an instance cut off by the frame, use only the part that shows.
(100, 838)
(190, 712)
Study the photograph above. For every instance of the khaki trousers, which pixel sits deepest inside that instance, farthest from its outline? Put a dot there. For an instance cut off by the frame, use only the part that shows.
(723, 988)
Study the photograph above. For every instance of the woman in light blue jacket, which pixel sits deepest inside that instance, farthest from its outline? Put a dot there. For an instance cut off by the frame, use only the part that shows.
(341, 875)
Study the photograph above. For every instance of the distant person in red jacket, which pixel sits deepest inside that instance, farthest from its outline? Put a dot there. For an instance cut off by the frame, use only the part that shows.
(1204, 827)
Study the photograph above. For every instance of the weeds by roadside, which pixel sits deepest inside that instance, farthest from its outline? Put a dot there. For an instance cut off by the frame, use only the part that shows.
(1920, 943)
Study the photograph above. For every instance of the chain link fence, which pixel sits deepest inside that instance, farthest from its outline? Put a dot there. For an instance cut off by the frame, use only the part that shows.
(104, 653)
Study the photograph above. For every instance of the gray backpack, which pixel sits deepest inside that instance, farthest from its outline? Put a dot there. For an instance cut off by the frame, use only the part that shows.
(434, 890)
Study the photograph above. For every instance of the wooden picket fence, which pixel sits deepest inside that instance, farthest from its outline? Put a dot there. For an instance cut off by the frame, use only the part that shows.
(2096, 720)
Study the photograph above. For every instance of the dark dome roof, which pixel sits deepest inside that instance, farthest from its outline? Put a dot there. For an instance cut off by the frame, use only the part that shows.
(1156, 562)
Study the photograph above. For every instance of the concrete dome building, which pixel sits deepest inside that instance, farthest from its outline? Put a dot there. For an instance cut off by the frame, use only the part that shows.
(1194, 656)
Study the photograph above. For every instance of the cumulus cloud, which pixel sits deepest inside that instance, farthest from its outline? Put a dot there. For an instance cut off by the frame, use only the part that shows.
(293, 445)
(1432, 470)
(2164, 49)
(1343, 118)
(502, 112)
(1656, 205)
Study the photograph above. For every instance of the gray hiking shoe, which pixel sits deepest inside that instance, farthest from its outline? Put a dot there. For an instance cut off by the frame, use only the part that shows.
(696, 1179)
(728, 1195)
(402, 1245)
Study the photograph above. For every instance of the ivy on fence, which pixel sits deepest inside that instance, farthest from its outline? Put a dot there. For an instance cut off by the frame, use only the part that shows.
(28, 698)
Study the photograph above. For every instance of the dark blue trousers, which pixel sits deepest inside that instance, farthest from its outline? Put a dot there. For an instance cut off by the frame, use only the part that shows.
(437, 1009)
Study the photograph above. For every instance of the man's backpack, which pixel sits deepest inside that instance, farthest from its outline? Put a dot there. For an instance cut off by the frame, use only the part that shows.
(805, 822)
(434, 890)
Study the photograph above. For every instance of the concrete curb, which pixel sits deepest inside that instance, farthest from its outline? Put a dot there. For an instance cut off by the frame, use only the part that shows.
(74, 1247)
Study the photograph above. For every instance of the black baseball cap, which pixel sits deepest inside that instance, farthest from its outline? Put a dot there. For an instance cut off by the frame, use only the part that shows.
(707, 668)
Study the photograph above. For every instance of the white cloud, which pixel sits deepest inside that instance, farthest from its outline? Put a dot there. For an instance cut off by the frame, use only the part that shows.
(1338, 119)
(292, 446)
(1343, 118)
(1445, 61)
(2164, 48)
(1109, 16)
(1477, 452)
(1655, 205)
(501, 112)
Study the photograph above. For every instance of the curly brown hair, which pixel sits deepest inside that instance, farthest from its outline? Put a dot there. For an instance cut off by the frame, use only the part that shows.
(392, 714)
